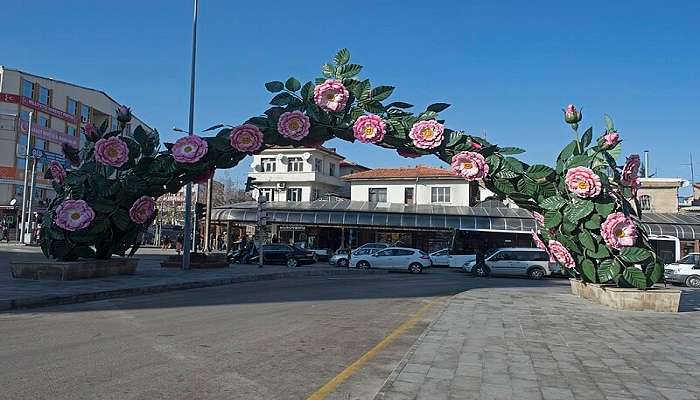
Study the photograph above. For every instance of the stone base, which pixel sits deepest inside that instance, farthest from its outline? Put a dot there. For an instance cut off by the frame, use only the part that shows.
(197, 261)
(662, 300)
(66, 271)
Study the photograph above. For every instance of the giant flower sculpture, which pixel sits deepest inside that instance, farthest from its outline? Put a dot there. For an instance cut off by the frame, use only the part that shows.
(585, 205)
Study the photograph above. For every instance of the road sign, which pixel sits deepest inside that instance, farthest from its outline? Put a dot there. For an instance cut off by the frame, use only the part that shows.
(48, 156)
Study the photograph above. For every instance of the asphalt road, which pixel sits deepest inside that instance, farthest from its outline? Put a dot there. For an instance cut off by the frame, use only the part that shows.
(264, 340)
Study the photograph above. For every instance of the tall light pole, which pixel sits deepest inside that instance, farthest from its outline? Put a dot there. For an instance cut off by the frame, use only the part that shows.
(26, 177)
(188, 191)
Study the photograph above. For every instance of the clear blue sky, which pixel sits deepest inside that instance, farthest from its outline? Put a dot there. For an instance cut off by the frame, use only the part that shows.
(507, 67)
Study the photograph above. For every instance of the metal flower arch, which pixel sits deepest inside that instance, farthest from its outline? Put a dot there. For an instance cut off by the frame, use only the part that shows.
(586, 205)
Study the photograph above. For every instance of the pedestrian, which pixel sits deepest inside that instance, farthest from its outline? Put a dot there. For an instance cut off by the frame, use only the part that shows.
(178, 244)
(5, 231)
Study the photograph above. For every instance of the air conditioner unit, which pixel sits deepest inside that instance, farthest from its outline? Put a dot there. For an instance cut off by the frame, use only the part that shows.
(281, 185)
(83, 119)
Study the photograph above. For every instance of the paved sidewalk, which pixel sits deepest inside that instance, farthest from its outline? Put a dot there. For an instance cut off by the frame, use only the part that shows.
(541, 342)
(150, 278)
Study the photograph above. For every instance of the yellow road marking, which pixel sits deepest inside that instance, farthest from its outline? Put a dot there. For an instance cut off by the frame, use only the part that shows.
(326, 389)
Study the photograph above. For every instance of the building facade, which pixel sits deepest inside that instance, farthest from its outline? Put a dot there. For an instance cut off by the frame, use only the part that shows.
(301, 174)
(60, 111)
(659, 195)
(418, 185)
(171, 206)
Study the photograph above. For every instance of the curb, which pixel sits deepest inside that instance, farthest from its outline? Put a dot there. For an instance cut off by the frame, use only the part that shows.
(404, 360)
(42, 301)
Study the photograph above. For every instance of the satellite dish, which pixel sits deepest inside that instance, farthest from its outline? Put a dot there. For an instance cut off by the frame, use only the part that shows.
(306, 156)
(258, 168)
(282, 158)
(13, 202)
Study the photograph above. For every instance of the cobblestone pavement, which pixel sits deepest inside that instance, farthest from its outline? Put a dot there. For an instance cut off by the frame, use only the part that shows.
(502, 340)
(149, 278)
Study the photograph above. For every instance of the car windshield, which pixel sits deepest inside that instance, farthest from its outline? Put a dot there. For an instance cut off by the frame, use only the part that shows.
(689, 259)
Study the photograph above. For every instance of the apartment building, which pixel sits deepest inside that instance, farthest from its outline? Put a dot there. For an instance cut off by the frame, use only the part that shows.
(60, 111)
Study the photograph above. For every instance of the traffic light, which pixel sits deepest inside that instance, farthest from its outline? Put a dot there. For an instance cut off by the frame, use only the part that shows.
(249, 184)
(199, 210)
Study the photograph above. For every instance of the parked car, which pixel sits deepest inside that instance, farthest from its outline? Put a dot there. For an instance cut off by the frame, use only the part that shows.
(531, 262)
(401, 258)
(287, 254)
(321, 254)
(342, 257)
(376, 246)
(686, 271)
(440, 257)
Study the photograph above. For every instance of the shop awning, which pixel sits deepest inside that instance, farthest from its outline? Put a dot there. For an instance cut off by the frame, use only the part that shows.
(385, 215)
(682, 226)
(381, 215)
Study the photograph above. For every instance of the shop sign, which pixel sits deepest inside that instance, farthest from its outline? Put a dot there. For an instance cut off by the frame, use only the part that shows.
(295, 228)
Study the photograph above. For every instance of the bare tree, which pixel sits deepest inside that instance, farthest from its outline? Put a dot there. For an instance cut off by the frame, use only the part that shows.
(234, 191)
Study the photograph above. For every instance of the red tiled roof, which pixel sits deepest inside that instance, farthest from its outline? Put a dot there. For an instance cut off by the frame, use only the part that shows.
(419, 171)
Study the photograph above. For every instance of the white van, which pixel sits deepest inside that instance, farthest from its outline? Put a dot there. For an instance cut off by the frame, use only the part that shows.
(685, 271)
(513, 261)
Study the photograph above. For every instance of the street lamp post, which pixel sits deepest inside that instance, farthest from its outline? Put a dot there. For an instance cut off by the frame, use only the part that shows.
(26, 178)
(31, 198)
(188, 191)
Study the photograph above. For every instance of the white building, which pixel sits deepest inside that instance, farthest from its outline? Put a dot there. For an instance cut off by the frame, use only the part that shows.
(60, 111)
(418, 185)
(301, 174)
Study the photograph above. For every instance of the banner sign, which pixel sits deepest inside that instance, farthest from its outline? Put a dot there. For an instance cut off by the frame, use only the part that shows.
(31, 103)
(50, 134)
(48, 156)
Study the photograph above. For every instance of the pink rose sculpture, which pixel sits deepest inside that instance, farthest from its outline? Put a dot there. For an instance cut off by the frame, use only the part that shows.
(427, 134)
(189, 149)
(610, 140)
(142, 209)
(112, 151)
(540, 245)
(294, 125)
(91, 132)
(572, 115)
(57, 172)
(73, 215)
(562, 254)
(470, 165)
(618, 231)
(583, 182)
(539, 218)
(476, 145)
(331, 95)
(204, 176)
(630, 170)
(369, 128)
(408, 153)
(246, 138)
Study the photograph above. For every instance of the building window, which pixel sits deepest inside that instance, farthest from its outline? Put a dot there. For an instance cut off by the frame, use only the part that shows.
(377, 195)
(43, 121)
(440, 194)
(294, 194)
(295, 164)
(268, 194)
(72, 106)
(24, 115)
(44, 96)
(84, 112)
(268, 164)
(115, 123)
(331, 169)
(645, 202)
(27, 89)
(318, 165)
(70, 130)
(408, 196)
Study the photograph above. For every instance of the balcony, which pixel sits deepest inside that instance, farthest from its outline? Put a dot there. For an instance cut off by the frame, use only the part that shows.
(310, 176)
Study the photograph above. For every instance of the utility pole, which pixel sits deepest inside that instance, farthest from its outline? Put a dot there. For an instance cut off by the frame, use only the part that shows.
(261, 221)
(26, 178)
(692, 170)
(188, 192)
(207, 216)
(31, 197)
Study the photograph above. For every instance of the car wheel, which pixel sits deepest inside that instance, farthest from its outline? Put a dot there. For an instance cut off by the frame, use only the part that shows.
(292, 263)
(535, 273)
(343, 263)
(363, 265)
(481, 271)
(693, 281)
(415, 268)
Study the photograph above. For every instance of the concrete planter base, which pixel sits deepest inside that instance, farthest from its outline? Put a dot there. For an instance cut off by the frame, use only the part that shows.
(197, 261)
(662, 300)
(66, 271)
